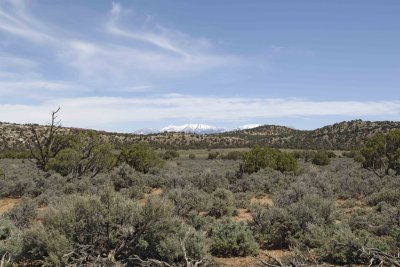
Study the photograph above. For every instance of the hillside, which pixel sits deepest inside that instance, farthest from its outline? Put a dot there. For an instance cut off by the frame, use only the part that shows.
(341, 136)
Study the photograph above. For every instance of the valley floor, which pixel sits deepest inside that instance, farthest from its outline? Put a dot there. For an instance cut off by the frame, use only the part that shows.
(328, 200)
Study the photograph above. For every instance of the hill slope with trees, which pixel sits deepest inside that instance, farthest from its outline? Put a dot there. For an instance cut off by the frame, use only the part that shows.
(340, 136)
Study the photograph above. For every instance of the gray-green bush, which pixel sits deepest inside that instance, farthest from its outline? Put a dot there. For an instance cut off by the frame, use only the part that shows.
(230, 238)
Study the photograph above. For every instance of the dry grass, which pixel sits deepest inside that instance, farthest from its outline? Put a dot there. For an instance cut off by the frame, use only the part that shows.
(152, 192)
(243, 216)
(203, 153)
(250, 261)
(8, 203)
(236, 262)
(265, 200)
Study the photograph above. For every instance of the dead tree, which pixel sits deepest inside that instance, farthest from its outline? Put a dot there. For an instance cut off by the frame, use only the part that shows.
(189, 262)
(5, 260)
(377, 257)
(149, 262)
(46, 144)
(271, 261)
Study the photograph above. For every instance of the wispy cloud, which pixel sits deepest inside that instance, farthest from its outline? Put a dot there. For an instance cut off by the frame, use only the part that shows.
(157, 50)
(8, 61)
(97, 112)
(166, 39)
(153, 49)
(34, 84)
(15, 20)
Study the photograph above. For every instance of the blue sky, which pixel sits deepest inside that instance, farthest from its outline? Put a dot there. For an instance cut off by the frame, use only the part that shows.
(125, 65)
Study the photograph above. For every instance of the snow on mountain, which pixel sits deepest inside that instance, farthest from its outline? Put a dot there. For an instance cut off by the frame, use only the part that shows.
(193, 128)
(146, 131)
(248, 126)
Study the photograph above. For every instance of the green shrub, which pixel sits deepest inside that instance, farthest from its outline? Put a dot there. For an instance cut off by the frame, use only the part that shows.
(388, 195)
(199, 221)
(242, 200)
(381, 153)
(304, 154)
(189, 199)
(222, 203)
(386, 219)
(297, 154)
(342, 247)
(209, 181)
(15, 154)
(109, 221)
(230, 238)
(359, 158)
(331, 154)
(302, 187)
(130, 182)
(23, 213)
(273, 227)
(396, 236)
(141, 157)
(320, 158)
(313, 236)
(213, 155)
(158, 234)
(192, 156)
(86, 154)
(45, 246)
(285, 162)
(170, 154)
(349, 154)
(10, 238)
(312, 209)
(91, 220)
(260, 158)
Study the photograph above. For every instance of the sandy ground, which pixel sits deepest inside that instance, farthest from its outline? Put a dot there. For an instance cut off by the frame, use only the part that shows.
(8, 203)
(153, 192)
(244, 214)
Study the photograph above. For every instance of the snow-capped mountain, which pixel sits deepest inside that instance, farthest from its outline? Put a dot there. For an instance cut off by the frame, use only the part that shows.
(146, 131)
(193, 128)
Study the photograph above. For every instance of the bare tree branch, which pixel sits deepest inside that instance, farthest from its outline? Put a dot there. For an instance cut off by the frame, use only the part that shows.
(5, 260)
(150, 262)
(189, 262)
(379, 258)
(45, 145)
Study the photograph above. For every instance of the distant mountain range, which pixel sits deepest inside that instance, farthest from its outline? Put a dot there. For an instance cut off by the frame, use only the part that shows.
(341, 136)
(194, 129)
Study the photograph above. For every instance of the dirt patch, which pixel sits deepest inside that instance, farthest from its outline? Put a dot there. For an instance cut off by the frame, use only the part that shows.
(152, 192)
(243, 216)
(276, 253)
(236, 262)
(265, 200)
(8, 203)
(250, 261)
(347, 207)
(155, 192)
(342, 203)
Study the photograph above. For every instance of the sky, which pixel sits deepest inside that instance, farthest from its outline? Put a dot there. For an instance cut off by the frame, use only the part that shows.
(126, 65)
